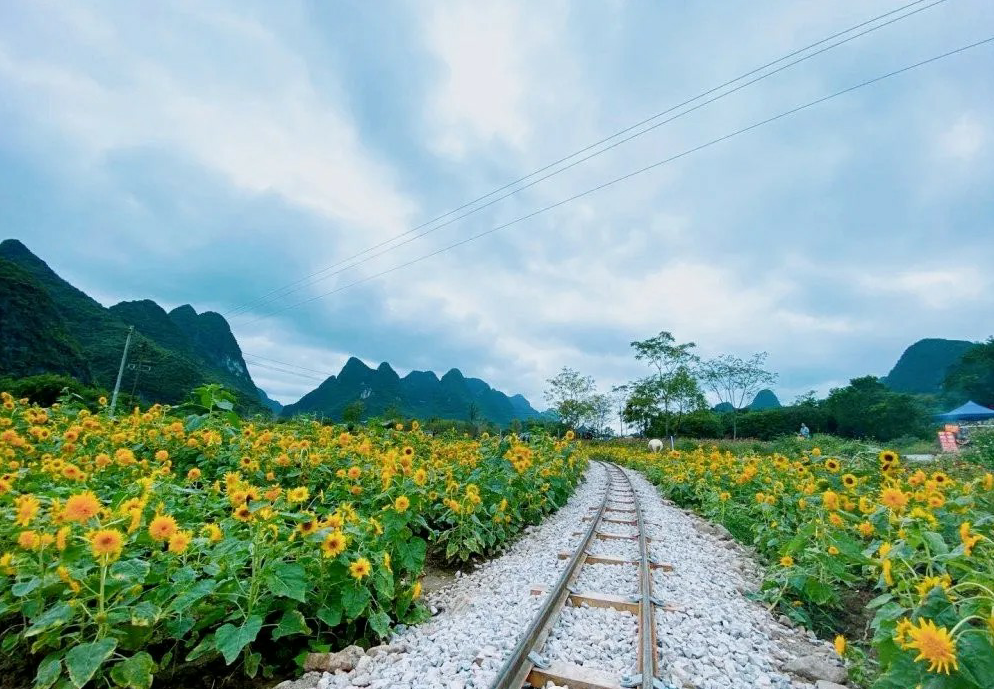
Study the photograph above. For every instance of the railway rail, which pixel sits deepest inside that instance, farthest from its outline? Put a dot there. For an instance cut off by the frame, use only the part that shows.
(527, 666)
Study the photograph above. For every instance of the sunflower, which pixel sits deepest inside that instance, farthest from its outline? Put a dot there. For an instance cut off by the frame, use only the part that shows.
(242, 513)
(333, 544)
(832, 465)
(832, 550)
(298, 494)
(887, 456)
(307, 527)
(81, 507)
(27, 507)
(849, 481)
(830, 499)
(360, 568)
(928, 583)
(402, 503)
(941, 478)
(29, 540)
(408, 451)
(180, 541)
(162, 527)
(840, 645)
(106, 543)
(866, 529)
(213, 532)
(894, 498)
(416, 589)
(786, 561)
(934, 644)
(354, 472)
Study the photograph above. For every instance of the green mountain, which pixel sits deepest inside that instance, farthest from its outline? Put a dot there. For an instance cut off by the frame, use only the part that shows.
(923, 366)
(764, 399)
(270, 404)
(419, 394)
(49, 326)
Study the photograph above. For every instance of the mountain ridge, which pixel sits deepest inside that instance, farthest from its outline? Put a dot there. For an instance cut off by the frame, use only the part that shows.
(419, 394)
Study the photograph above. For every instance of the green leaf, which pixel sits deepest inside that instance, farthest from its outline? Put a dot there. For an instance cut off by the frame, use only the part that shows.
(55, 616)
(132, 571)
(230, 640)
(191, 595)
(936, 543)
(380, 623)
(411, 554)
(48, 671)
(145, 614)
(288, 580)
(383, 581)
(135, 672)
(23, 588)
(976, 659)
(84, 660)
(292, 622)
(879, 600)
(205, 646)
(354, 601)
(331, 614)
(252, 661)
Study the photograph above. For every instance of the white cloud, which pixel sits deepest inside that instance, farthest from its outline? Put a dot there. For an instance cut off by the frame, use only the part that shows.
(934, 288)
(964, 139)
(260, 124)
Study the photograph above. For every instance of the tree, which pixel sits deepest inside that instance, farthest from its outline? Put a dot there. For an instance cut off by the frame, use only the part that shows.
(673, 374)
(619, 400)
(352, 413)
(569, 393)
(972, 377)
(867, 409)
(683, 394)
(642, 403)
(734, 380)
(600, 411)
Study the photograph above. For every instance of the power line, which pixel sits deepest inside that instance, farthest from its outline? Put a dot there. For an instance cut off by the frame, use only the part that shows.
(297, 285)
(284, 370)
(287, 363)
(640, 171)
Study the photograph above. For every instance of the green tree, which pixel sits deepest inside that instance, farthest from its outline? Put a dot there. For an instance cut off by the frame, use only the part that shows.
(867, 409)
(734, 380)
(973, 376)
(352, 413)
(673, 374)
(569, 394)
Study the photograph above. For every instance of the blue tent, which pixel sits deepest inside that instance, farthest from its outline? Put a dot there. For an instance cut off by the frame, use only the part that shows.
(971, 411)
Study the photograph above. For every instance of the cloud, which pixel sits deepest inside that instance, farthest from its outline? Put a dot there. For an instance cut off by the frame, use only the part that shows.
(964, 139)
(934, 288)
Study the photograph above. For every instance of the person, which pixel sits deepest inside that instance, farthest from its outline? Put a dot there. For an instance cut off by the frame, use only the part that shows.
(804, 432)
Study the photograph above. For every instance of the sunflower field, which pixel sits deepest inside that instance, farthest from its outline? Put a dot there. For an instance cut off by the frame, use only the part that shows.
(905, 550)
(151, 545)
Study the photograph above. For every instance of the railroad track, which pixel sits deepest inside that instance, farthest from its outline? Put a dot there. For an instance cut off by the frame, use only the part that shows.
(527, 666)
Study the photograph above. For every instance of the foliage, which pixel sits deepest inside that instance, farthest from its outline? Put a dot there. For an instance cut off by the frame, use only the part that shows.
(867, 409)
(734, 380)
(828, 526)
(923, 366)
(973, 376)
(672, 390)
(570, 394)
(47, 389)
(152, 543)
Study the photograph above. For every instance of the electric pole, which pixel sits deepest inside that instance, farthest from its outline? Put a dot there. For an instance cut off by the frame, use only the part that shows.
(120, 372)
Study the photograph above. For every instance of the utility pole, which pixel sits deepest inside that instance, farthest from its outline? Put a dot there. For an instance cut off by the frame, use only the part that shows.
(120, 372)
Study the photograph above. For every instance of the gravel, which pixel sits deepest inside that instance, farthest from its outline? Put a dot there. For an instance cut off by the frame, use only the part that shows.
(482, 613)
(618, 529)
(600, 638)
(624, 548)
(719, 639)
(619, 580)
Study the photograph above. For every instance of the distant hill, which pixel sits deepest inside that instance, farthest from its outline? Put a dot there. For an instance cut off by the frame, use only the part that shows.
(419, 394)
(723, 407)
(923, 366)
(764, 399)
(49, 326)
(270, 404)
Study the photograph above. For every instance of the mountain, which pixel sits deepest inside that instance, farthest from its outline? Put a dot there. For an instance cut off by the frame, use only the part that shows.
(49, 326)
(270, 404)
(419, 394)
(923, 366)
(764, 399)
(723, 407)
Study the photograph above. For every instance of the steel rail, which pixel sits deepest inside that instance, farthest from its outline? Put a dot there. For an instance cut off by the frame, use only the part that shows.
(646, 677)
(516, 669)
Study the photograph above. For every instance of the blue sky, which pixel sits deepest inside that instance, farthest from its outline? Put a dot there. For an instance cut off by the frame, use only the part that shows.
(211, 152)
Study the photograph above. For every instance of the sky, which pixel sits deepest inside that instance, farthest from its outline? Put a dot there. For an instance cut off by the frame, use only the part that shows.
(210, 153)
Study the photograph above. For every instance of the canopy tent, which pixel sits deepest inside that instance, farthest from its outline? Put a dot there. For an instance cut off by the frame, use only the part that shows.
(971, 411)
